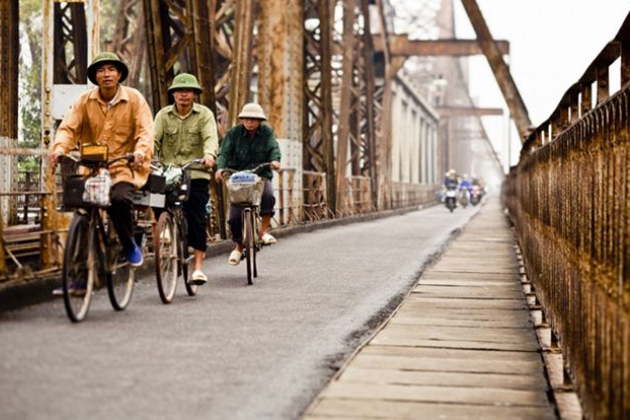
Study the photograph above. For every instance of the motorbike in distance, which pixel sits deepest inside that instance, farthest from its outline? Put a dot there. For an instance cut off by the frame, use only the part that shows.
(450, 198)
(475, 195)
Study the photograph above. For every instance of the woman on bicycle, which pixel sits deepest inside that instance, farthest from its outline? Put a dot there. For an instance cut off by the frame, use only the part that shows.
(183, 132)
(246, 146)
(119, 117)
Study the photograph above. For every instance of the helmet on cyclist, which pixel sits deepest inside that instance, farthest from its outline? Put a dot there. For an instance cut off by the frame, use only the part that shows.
(252, 110)
(185, 81)
(107, 58)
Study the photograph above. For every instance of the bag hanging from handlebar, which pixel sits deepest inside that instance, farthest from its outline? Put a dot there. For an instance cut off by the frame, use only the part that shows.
(97, 189)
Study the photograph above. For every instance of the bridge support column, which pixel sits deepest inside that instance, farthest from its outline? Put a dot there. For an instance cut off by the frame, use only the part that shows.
(9, 60)
(280, 47)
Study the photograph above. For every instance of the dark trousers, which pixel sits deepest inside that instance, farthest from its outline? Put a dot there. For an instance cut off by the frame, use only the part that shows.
(195, 211)
(119, 212)
(235, 220)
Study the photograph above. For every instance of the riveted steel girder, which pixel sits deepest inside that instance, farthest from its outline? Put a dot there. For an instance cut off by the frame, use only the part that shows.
(356, 134)
(318, 147)
(9, 47)
(500, 68)
(401, 45)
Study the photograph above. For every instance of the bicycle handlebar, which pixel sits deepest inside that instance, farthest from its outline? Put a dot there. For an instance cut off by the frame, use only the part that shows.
(129, 157)
(157, 165)
(230, 171)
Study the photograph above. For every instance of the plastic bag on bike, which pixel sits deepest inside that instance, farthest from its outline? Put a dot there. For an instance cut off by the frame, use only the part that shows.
(97, 189)
(245, 188)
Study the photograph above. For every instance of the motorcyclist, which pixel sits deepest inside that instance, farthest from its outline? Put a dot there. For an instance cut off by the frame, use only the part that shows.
(450, 180)
(465, 184)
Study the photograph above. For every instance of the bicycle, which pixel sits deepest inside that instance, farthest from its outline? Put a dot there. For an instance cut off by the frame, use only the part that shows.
(170, 240)
(92, 249)
(245, 190)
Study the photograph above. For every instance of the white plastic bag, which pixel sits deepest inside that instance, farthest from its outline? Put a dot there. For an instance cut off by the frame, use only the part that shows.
(245, 188)
(97, 189)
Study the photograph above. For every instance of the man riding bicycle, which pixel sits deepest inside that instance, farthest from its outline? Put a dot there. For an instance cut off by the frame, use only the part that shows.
(183, 132)
(246, 146)
(119, 117)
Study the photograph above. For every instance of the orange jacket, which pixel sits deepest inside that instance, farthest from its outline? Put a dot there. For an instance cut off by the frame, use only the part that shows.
(126, 128)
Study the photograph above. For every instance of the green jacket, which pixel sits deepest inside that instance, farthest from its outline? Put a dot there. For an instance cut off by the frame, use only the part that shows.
(239, 151)
(179, 141)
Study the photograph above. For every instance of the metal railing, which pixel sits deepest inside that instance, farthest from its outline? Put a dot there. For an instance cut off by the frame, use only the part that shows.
(569, 199)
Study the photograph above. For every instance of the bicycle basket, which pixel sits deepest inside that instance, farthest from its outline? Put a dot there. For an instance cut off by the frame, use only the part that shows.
(73, 188)
(245, 188)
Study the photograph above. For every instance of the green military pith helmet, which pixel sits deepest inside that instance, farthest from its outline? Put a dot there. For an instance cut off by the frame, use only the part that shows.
(107, 58)
(185, 81)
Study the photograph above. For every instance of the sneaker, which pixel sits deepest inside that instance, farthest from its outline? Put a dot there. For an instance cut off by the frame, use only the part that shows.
(268, 239)
(198, 278)
(75, 288)
(135, 256)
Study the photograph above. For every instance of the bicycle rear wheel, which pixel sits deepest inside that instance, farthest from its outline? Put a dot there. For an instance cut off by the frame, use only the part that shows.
(191, 289)
(79, 268)
(166, 244)
(248, 242)
(120, 275)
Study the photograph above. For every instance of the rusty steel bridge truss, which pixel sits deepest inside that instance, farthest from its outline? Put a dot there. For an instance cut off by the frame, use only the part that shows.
(321, 70)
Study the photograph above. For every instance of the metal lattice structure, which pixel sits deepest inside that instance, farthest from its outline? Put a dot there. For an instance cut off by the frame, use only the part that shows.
(70, 35)
(129, 38)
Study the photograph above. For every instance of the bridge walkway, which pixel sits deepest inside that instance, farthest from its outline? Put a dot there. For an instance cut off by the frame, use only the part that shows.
(462, 345)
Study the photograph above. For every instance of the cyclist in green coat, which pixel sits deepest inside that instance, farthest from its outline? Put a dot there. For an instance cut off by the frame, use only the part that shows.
(246, 146)
(186, 131)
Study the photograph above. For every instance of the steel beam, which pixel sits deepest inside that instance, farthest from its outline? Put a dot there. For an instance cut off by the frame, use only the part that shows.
(9, 59)
(280, 66)
(500, 68)
(349, 41)
(9, 66)
(9, 56)
(454, 111)
(401, 45)
(384, 144)
(239, 72)
(318, 149)
(369, 131)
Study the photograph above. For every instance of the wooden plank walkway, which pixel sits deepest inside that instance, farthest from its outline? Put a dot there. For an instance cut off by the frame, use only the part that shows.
(461, 346)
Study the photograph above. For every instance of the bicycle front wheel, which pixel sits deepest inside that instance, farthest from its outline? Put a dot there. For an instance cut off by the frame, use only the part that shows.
(79, 269)
(120, 275)
(248, 242)
(166, 244)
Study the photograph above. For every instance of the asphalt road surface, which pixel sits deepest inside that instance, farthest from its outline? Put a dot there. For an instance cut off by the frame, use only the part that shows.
(234, 351)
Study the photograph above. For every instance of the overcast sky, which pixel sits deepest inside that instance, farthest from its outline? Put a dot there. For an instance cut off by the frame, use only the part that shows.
(551, 44)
